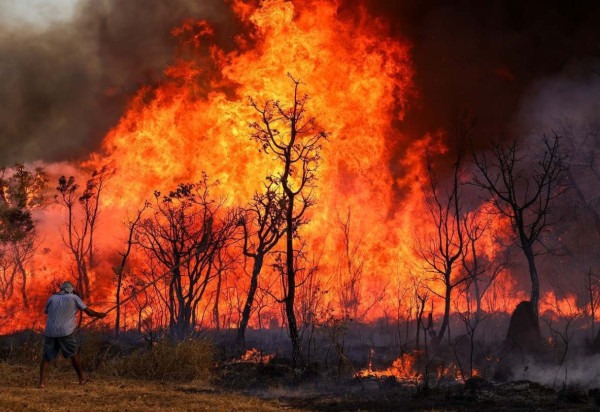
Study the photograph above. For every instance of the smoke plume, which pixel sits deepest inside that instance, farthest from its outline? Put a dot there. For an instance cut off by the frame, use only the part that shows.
(66, 83)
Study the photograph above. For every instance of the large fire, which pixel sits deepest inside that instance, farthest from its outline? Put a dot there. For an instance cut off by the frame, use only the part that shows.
(358, 80)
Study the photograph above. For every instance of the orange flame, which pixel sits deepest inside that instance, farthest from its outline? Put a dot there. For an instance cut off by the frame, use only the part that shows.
(256, 356)
(359, 80)
(402, 369)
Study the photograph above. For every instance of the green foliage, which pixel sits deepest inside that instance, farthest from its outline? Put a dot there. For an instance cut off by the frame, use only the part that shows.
(20, 191)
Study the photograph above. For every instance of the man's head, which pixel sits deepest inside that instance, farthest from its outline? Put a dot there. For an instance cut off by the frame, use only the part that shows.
(67, 287)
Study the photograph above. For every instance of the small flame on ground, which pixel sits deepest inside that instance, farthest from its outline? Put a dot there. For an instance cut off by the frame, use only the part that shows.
(402, 369)
(255, 356)
(405, 370)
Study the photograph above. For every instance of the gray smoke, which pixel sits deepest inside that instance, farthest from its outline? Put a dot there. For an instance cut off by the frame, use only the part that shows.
(567, 104)
(66, 81)
(483, 56)
(567, 99)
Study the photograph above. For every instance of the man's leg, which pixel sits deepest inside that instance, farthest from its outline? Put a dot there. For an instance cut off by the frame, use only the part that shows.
(76, 362)
(51, 349)
(69, 348)
(43, 369)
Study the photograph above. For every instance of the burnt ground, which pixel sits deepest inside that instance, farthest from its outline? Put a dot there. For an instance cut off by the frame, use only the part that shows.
(328, 385)
(273, 382)
(513, 396)
(111, 393)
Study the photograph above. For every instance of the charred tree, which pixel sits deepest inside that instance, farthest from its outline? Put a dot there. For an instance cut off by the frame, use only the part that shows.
(82, 217)
(293, 137)
(443, 249)
(182, 239)
(524, 193)
(119, 270)
(481, 270)
(263, 225)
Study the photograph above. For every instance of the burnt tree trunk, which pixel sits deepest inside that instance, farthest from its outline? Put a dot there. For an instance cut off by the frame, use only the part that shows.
(256, 268)
(527, 246)
(535, 281)
(216, 314)
(446, 319)
(291, 286)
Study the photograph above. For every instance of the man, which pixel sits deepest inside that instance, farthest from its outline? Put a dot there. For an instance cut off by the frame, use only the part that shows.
(61, 309)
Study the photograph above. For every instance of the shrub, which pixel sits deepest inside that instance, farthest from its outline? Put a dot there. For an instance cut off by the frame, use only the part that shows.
(96, 349)
(23, 348)
(184, 361)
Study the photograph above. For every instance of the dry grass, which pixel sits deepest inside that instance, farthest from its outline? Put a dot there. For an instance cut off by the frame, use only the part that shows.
(167, 377)
(183, 361)
(189, 360)
(19, 392)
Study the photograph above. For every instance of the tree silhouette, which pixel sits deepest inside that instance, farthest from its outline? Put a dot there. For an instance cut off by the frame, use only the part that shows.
(443, 249)
(293, 137)
(83, 210)
(182, 239)
(263, 225)
(524, 192)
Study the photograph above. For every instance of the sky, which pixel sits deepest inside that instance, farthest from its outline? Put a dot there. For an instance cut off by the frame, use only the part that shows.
(40, 13)
(69, 67)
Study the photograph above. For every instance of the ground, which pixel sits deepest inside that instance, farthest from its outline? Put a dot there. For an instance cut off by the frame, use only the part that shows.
(19, 392)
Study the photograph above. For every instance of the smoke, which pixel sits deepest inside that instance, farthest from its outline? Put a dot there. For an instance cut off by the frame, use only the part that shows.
(580, 371)
(566, 104)
(568, 99)
(485, 56)
(66, 78)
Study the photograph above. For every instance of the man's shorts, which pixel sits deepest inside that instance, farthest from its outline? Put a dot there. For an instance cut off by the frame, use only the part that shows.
(65, 344)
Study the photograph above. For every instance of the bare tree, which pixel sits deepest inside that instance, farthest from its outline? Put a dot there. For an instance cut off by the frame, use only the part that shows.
(223, 261)
(292, 136)
(481, 271)
(471, 319)
(421, 299)
(349, 270)
(119, 270)
(524, 193)
(263, 225)
(82, 216)
(183, 237)
(442, 250)
(561, 334)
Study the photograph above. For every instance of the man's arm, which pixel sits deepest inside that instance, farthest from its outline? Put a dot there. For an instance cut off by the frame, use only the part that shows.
(92, 312)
